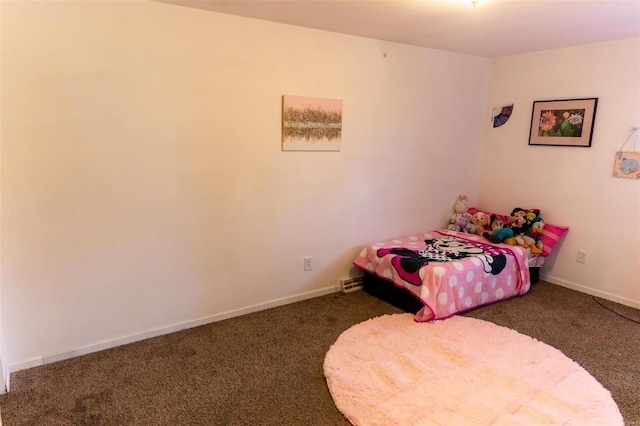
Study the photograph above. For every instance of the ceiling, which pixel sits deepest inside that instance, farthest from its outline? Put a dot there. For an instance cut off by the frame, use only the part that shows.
(492, 28)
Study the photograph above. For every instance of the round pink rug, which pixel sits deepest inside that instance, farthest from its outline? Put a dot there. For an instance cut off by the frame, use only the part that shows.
(392, 370)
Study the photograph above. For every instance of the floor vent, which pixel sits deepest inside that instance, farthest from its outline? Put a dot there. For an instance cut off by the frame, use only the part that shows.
(350, 285)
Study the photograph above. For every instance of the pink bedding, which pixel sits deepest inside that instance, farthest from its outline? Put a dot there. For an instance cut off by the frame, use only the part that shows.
(450, 272)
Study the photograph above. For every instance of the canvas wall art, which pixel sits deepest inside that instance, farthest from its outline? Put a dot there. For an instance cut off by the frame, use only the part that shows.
(311, 124)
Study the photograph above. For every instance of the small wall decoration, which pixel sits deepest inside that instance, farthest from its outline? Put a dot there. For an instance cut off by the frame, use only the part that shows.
(626, 164)
(567, 122)
(311, 124)
(499, 116)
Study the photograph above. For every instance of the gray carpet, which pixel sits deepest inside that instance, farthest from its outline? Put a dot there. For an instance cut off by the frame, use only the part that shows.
(266, 368)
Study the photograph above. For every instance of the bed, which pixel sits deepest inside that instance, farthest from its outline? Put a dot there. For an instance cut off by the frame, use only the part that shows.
(448, 271)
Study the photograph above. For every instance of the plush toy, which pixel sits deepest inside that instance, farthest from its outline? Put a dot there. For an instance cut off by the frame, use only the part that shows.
(471, 228)
(533, 234)
(464, 220)
(498, 231)
(499, 235)
(462, 223)
(481, 221)
(459, 208)
(496, 223)
(520, 222)
(509, 234)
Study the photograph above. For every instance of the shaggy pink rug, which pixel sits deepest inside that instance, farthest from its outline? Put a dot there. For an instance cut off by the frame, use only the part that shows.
(392, 370)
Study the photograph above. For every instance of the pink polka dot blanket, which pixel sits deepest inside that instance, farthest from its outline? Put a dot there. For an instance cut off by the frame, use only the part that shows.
(450, 272)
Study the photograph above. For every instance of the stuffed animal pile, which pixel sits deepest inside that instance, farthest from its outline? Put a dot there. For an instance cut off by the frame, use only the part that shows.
(469, 220)
(522, 228)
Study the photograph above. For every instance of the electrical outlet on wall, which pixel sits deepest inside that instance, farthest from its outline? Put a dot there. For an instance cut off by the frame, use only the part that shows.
(581, 257)
(307, 263)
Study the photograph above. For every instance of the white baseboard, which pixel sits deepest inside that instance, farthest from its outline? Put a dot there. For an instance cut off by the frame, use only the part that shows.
(591, 291)
(107, 344)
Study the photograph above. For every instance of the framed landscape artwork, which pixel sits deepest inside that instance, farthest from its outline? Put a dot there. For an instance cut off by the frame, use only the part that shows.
(311, 124)
(567, 122)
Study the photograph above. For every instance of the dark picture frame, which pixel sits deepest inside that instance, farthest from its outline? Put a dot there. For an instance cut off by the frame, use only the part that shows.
(564, 122)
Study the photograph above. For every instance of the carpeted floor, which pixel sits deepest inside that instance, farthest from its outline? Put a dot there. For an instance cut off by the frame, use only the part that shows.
(266, 368)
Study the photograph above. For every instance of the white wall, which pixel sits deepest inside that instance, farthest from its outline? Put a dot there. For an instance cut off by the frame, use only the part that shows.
(572, 186)
(4, 376)
(143, 184)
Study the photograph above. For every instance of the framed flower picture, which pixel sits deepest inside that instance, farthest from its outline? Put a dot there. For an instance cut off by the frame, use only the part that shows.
(567, 122)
